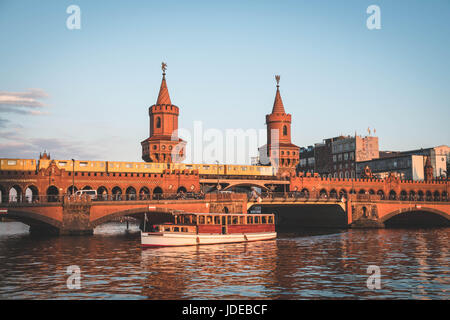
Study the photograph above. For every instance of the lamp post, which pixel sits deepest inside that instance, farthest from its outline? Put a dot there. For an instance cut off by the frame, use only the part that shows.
(218, 185)
(73, 176)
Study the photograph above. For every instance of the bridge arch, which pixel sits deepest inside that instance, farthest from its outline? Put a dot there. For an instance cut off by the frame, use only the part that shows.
(157, 192)
(381, 194)
(419, 214)
(144, 193)
(69, 189)
(116, 193)
(52, 194)
(87, 188)
(159, 215)
(392, 195)
(102, 192)
(362, 191)
(131, 193)
(3, 194)
(15, 193)
(31, 193)
(35, 221)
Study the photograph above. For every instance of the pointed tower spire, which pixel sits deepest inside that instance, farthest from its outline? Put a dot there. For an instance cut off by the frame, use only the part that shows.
(163, 97)
(278, 103)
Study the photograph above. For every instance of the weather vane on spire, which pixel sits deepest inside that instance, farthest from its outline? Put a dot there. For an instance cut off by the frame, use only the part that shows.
(163, 67)
(277, 78)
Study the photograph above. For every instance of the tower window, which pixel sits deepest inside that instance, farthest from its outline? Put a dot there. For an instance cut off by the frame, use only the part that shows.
(158, 122)
(284, 130)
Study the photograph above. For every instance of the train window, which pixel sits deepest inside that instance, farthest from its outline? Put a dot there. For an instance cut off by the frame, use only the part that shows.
(62, 163)
(205, 167)
(128, 165)
(188, 166)
(102, 164)
(12, 162)
(83, 164)
(147, 166)
(244, 168)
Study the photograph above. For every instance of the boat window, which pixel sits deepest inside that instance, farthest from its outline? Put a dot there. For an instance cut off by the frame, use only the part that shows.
(241, 220)
(257, 219)
(235, 220)
(184, 229)
(209, 220)
(249, 220)
(217, 220)
(263, 219)
(270, 219)
(228, 220)
(176, 229)
(166, 228)
(201, 220)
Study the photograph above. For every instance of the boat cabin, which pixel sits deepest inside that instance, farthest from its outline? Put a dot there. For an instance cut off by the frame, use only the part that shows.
(217, 223)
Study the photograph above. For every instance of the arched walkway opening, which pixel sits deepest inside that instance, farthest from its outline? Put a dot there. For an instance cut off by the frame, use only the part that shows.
(444, 196)
(157, 193)
(421, 195)
(69, 190)
(15, 194)
(323, 193)
(131, 193)
(381, 194)
(412, 195)
(362, 191)
(116, 193)
(343, 193)
(181, 190)
(102, 193)
(87, 188)
(371, 191)
(392, 195)
(428, 196)
(144, 193)
(31, 194)
(333, 194)
(403, 195)
(304, 193)
(3, 195)
(52, 194)
(437, 196)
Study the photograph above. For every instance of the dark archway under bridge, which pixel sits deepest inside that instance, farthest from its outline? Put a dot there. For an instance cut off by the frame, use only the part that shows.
(292, 216)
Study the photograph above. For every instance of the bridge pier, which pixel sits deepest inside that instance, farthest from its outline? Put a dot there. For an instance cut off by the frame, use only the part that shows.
(76, 218)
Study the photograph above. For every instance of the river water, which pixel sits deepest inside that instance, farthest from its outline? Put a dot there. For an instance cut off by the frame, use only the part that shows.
(313, 264)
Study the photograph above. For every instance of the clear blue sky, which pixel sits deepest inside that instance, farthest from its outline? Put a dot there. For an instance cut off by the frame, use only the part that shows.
(92, 87)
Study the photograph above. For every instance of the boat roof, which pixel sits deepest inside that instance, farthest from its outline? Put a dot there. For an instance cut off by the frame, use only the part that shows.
(221, 214)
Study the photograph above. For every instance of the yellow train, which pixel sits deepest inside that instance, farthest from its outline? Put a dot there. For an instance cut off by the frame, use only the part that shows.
(136, 167)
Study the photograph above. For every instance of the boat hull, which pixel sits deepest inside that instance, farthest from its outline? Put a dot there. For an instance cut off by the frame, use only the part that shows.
(149, 239)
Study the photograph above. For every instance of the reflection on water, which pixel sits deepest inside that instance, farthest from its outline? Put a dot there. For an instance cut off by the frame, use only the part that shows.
(414, 265)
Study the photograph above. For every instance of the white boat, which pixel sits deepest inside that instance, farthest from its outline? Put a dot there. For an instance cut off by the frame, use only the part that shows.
(189, 229)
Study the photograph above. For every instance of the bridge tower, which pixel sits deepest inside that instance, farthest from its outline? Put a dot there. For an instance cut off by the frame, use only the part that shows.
(279, 149)
(428, 170)
(163, 145)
